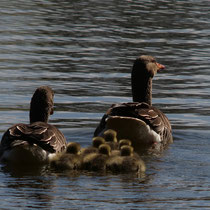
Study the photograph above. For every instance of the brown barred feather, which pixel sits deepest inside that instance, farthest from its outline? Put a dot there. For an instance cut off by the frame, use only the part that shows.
(44, 135)
(147, 113)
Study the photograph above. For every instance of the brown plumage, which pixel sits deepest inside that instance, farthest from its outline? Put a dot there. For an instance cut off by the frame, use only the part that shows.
(38, 140)
(145, 125)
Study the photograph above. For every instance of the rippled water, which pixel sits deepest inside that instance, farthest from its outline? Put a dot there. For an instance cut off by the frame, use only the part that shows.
(84, 50)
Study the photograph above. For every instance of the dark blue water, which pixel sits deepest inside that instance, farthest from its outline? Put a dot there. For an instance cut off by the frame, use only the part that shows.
(84, 50)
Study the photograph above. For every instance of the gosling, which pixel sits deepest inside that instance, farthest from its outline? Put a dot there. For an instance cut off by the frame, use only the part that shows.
(97, 161)
(70, 160)
(128, 161)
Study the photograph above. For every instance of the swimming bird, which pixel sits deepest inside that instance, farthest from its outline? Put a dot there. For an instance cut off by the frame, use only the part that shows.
(110, 137)
(128, 161)
(69, 160)
(123, 142)
(96, 142)
(38, 141)
(145, 125)
(97, 161)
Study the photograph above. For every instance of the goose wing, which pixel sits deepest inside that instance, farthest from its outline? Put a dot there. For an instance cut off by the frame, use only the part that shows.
(47, 136)
(149, 114)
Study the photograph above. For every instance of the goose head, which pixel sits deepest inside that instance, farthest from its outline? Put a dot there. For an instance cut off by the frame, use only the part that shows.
(41, 105)
(97, 141)
(104, 149)
(73, 148)
(126, 150)
(144, 69)
(110, 135)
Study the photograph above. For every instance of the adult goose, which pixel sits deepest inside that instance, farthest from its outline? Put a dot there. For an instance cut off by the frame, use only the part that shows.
(145, 125)
(38, 141)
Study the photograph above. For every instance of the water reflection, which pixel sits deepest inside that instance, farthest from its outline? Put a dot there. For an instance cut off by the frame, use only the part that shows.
(28, 185)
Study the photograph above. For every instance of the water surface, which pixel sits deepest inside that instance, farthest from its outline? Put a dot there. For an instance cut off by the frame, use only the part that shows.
(84, 50)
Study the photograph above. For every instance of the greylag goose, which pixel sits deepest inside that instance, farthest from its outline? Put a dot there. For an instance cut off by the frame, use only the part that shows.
(97, 161)
(38, 141)
(110, 137)
(128, 161)
(70, 160)
(96, 142)
(123, 142)
(145, 125)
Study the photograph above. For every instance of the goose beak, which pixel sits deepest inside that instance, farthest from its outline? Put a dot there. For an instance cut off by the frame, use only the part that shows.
(160, 66)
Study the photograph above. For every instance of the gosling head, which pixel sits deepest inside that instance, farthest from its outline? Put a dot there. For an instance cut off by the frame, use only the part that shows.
(110, 135)
(97, 141)
(123, 142)
(73, 148)
(126, 150)
(104, 149)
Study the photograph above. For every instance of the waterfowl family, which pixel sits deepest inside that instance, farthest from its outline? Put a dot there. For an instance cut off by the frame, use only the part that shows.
(69, 160)
(38, 141)
(127, 161)
(97, 161)
(145, 125)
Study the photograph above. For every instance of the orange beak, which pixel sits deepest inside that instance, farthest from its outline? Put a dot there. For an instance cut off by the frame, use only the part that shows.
(160, 66)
